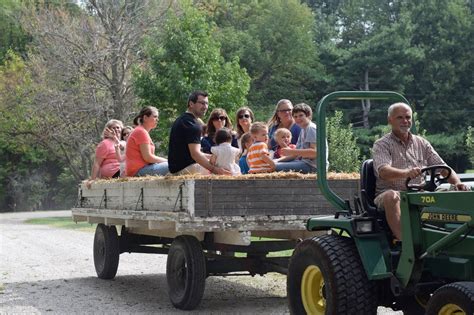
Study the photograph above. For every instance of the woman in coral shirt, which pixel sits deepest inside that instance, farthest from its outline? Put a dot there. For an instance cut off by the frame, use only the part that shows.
(140, 158)
(106, 164)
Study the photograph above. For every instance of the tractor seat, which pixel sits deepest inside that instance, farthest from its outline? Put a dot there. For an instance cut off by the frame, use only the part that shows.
(367, 196)
(367, 188)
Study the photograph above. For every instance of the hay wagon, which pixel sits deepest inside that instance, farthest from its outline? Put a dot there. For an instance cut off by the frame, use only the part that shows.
(207, 226)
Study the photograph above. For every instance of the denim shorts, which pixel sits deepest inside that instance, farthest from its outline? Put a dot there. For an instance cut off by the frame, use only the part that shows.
(154, 169)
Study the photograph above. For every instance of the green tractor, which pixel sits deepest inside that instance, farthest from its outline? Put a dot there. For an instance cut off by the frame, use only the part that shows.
(358, 266)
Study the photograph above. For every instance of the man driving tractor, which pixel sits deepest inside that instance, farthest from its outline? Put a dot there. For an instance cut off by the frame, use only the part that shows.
(400, 155)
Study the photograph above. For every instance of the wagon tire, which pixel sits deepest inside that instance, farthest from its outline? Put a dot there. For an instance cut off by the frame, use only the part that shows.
(186, 272)
(326, 276)
(106, 251)
(453, 298)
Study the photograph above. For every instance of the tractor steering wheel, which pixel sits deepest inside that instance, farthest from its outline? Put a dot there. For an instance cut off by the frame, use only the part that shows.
(435, 178)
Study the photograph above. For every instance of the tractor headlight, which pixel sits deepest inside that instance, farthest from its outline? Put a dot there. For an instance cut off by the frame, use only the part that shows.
(365, 226)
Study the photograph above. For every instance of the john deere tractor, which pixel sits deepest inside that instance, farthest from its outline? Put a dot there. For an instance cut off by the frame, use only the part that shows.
(358, 265)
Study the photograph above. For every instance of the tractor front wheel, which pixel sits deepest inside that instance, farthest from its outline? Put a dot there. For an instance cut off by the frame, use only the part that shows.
(326, 276)
(452, 299)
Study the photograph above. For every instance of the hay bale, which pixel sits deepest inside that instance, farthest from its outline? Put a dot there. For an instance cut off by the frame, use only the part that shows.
(274, 175)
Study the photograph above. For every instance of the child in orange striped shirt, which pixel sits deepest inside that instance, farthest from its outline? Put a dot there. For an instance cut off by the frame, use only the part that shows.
(258, 157)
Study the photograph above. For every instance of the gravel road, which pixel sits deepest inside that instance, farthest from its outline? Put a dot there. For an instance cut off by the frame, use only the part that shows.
(49, 270)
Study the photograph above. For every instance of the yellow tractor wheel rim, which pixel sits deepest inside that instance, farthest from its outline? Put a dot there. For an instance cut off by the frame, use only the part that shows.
(312, 285)
(451, 309)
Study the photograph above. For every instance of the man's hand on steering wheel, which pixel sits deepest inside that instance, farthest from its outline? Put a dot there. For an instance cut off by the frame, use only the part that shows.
(461, 187)
(413, 172)
(437, 173)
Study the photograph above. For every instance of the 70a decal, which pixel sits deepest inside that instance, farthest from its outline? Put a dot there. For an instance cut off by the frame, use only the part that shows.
(428, 199)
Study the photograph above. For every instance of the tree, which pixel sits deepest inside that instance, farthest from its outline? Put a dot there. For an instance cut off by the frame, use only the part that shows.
(452, 148)
(274, 42)
(365, 45)
(81, 63)
(12, 36)
(188, 59)
(443, 86)
(28, 173)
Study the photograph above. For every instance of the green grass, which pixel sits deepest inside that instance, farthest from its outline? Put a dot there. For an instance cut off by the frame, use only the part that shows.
(469, 171)
(283, 253)
(63, 223)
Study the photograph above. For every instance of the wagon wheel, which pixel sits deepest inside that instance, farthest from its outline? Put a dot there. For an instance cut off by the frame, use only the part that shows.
(454, 298)
(106, 251)
(186, 272)
(326, 276)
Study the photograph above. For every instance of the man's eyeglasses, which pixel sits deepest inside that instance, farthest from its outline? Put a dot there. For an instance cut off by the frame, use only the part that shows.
(202, 102)
(221, 118)
(285, 110)
(247, 116)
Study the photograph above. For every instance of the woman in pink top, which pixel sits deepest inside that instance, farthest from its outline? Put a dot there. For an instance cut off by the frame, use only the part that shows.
(106, 164)
(140, 158)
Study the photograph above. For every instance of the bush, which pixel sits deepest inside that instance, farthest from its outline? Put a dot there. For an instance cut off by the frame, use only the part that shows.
(470, 145)
(344, 155)
(452, 149)
(26, 192)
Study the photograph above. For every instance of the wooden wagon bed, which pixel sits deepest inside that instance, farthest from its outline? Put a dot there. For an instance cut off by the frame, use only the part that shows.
(277, 207)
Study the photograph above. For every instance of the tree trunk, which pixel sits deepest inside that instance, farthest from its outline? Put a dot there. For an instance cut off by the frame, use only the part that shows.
(366, 103)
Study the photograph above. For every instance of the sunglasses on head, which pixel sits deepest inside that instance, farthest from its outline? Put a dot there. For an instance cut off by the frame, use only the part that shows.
(221, 118)
(244, 116)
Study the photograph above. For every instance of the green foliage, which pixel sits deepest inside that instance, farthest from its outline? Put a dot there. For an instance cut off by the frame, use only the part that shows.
(366, 137)
(28, 173)
(443, 84)
(470, 144)
(275, 43)
(12, 35)
(188, 59)
(344, 155)
(451, 148)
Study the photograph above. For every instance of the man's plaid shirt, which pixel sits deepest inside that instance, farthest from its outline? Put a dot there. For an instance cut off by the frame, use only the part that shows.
(390, 150)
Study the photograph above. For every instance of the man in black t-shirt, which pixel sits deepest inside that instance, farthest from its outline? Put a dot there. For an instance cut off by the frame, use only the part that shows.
(184, 150)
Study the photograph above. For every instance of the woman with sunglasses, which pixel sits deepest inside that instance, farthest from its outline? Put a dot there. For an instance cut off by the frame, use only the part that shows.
(106, 164)
(218, 119)
(282, 118)
(244, 118)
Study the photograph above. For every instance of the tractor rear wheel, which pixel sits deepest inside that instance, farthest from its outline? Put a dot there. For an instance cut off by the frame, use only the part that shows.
(454, 298)
(326, 276)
